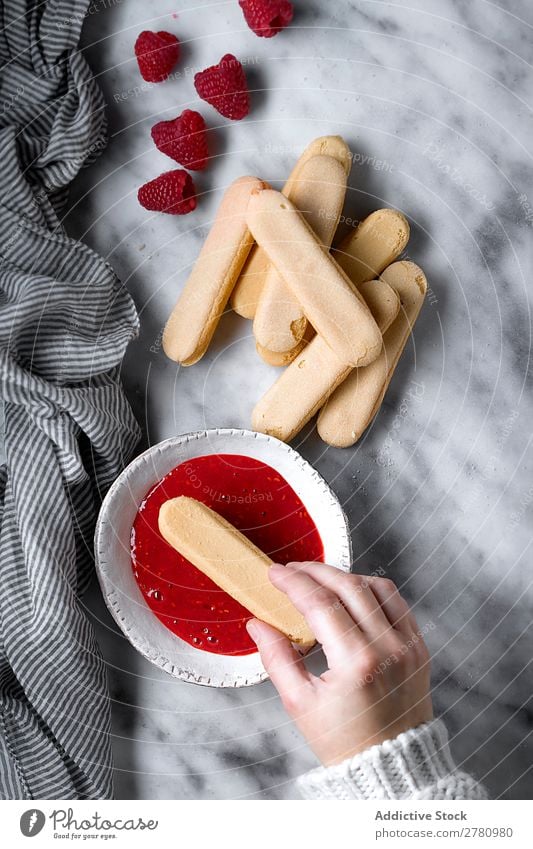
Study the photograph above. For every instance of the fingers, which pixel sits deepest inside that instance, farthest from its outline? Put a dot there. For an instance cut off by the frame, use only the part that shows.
(330, 622)
(356, 596)
(282, 662)
(394, 605)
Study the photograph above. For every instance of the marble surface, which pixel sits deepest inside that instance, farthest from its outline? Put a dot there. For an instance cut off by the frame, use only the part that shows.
(435, 100)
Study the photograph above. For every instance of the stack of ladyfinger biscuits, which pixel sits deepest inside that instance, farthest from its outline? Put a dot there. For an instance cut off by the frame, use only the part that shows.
(336, 319)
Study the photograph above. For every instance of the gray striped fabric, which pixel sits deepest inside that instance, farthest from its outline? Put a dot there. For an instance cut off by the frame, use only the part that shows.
(65, 321)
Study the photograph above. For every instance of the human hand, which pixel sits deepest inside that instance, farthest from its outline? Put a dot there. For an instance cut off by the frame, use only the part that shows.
(377, 683)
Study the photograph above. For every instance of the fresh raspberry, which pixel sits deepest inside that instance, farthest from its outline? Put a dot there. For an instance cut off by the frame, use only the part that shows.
(183, 139)
(267, 17)
(172, 192)
(224, 87)
(157, 53)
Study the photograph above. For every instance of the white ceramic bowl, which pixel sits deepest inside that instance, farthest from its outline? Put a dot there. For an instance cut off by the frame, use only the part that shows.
(113, 559)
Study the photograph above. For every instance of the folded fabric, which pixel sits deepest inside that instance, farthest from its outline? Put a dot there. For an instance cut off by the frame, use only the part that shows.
(65, 321)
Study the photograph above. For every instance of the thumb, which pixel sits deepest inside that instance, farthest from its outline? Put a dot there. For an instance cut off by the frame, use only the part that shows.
(282, 662)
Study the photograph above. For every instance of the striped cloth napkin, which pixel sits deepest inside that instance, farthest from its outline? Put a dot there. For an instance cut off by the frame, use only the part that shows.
(65, 321)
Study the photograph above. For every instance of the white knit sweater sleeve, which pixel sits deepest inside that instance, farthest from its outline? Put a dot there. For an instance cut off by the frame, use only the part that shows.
(415, 765)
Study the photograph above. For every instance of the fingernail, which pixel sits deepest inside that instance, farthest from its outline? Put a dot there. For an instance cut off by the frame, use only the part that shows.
(276, 572)
(252, 629)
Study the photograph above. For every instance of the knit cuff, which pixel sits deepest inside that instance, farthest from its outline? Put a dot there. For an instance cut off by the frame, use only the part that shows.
(414, 765)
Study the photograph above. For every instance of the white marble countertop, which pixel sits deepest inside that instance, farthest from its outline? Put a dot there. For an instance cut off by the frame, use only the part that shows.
(435, 100)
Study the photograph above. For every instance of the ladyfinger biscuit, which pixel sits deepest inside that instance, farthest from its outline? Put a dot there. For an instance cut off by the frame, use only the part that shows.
(336, 311)
(373, 245)
(354, 404)
(316, 372)
(279, 323)
(232, 561)
(245, 296)
(284, 358)
(363, 254)
(280, 358)
(193, 321)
